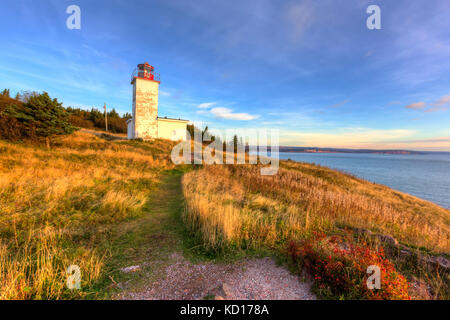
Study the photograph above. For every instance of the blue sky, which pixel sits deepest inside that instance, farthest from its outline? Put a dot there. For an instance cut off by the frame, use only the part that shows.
(311, 69)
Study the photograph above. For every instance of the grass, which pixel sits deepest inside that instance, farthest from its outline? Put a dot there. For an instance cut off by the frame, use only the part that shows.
(106, 204)
(147, 241)
(65, 206)
(236, 208)
(235, 204)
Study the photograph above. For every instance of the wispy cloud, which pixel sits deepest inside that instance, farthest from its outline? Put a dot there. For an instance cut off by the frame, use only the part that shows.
(432, 140)
(206, 105)
(346, 137)
(416, 105)
(164, 93)
(443, 101)
(436, 109)
(300, 16)
(439, 105)
(361, 138)
(225, 113)
(340, 104)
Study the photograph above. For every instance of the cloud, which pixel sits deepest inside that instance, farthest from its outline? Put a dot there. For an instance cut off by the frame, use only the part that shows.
(432, 140)
(439, 105)
(435, 109)
(361, 138)
(225, 113)
(442, 101)
(416, 105)
(300, 16)
(206, 105)
(164, 93)
(345, 137)
(340, 104)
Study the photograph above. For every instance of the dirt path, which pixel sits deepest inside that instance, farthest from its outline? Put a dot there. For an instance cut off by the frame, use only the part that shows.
(159, 270)
(255, 279)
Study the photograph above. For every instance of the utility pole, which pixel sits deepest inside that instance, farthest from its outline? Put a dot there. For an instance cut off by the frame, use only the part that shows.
(106, 118)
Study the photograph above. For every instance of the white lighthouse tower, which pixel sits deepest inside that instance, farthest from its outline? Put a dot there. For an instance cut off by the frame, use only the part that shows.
(145, 123)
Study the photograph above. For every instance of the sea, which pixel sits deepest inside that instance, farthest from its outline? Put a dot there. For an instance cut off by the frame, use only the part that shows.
(426, 176)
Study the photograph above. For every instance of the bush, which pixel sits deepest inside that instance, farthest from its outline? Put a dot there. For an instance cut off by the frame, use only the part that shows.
(339, 268)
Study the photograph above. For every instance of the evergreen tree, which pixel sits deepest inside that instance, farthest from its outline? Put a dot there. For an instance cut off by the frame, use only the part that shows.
(113, 114)
(42, 115)
(235, 143)
(5, 93)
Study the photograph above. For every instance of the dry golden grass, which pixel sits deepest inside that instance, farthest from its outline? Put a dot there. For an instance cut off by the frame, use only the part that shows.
(56, 205)
(236, 205)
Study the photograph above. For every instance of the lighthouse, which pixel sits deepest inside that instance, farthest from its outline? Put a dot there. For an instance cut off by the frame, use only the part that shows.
(145, 123)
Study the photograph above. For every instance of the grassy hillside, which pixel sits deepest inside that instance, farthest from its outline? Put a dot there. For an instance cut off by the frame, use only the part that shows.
(236, 207)
(104, 204)
(302, 197)
(59, 207)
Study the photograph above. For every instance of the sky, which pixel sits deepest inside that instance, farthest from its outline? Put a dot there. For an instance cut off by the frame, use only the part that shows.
(311, 69)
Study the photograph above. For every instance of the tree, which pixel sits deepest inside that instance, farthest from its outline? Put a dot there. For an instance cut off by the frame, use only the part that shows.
(235, 143)
(205, 133)
(127, 116)
(190, 129)
(26, 95)
(113, 114)
(96, 119)
(5, 93)
(42, 115)
(193, 130)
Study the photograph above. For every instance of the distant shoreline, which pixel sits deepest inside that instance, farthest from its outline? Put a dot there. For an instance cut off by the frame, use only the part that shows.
(333, 151)
(341, 150)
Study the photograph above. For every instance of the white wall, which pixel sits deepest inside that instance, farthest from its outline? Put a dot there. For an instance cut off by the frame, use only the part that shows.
(172, 129)
(130, 129)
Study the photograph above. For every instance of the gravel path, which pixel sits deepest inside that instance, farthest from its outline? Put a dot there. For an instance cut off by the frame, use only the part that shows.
(255, 279)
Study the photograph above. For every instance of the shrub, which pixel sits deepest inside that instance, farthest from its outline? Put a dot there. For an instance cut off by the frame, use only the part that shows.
(339, 268)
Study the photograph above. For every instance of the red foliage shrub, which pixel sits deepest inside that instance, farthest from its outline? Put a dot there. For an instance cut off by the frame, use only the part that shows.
(339, 268)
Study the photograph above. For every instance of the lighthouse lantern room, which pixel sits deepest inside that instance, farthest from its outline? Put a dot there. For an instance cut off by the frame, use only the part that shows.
(145, 71)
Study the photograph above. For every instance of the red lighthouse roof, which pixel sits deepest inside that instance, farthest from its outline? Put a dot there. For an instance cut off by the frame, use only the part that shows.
(145, 71)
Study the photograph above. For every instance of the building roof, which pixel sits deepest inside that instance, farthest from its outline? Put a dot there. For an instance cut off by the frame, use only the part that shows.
(172, 119)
